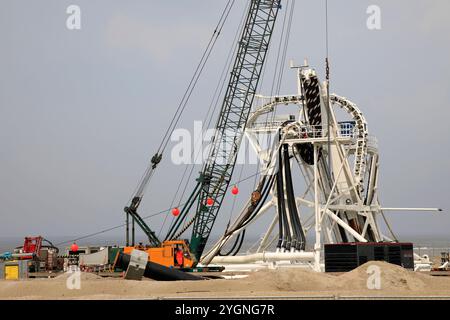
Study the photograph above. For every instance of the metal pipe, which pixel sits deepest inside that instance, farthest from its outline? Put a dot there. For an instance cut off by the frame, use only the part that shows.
(411, 209)
(265, 257)
(318, 229)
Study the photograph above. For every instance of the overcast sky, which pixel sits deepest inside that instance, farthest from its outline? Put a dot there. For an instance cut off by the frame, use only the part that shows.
(82, 111)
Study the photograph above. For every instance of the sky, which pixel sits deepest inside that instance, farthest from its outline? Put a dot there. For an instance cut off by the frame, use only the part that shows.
(82, 111)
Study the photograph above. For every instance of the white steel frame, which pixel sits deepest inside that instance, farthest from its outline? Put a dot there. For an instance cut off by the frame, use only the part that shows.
(346, 194)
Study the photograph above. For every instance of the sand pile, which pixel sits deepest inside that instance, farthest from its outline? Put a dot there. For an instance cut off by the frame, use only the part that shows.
(392, 278)
(292, 279)
(395, 281)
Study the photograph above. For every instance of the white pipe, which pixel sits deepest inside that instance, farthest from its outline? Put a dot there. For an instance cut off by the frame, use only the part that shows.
(318, 220)
(411, 209)
(265, 257)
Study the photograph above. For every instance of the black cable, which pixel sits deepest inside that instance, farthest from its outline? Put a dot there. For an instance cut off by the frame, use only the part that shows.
(109, 229)
(264, 195)
(144, 218)
(240, 244)
(171, 206)
(288, 188)
(280, 202)
(235, 198)
(197, 73)
(232, 248)
(298, 229)
(286, 44)
(287, 232)
(283, 61)
(187, 94)
(327, 72)
(209, 115)
(49, 242)
(264, 188)
(278, 65)
(252, 210)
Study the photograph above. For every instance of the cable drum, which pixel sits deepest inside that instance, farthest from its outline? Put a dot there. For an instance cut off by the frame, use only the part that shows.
(311, 91)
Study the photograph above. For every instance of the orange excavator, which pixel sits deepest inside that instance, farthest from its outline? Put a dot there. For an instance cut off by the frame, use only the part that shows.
(171, 253)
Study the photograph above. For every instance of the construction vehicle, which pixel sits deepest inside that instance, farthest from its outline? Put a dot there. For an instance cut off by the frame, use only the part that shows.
(32, 245)
(42, 251)
(174, 253)
(36, 255)
(215, 177)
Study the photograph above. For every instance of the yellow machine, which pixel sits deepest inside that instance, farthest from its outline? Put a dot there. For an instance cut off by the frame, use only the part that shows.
(11, 272)
(172, 253)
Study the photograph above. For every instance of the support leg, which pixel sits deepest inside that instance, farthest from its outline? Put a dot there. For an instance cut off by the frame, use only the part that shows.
(317, 213)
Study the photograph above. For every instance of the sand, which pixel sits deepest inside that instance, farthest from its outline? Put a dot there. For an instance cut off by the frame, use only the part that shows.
(286, 282)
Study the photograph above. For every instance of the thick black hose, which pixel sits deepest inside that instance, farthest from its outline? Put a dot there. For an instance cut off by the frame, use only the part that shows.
(156, 271)
(240, 244)
(297, 226)
(253, 210)
(280, 214)
(263, 199)
(290, 213)
(282, 204)
(251, 213)
(232, 248)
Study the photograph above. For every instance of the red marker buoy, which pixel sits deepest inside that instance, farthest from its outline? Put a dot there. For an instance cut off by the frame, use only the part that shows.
(235, 190)
(74, 247)
(209, 201)
(175, 212)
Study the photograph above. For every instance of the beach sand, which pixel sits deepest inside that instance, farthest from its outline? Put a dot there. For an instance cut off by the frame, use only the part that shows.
(281, 283)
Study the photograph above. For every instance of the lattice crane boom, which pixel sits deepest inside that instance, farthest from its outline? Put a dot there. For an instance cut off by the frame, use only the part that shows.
(242, 86)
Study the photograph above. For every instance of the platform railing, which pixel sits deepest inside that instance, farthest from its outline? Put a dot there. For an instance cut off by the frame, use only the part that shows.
(345, 130)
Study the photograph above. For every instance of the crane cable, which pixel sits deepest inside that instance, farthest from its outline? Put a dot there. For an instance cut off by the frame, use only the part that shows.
(197, 73)
(144, 218)
(279, 66)
(208, 117)
(146, 177)
(327, 72)
(277, 77)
